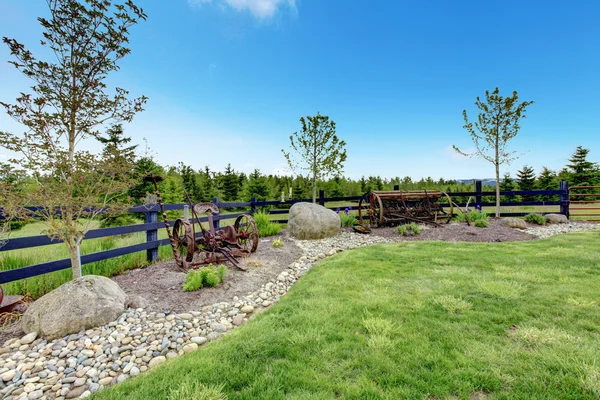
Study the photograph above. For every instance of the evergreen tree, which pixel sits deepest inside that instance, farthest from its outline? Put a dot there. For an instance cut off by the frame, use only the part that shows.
(190, 183)
(547, 180)
(506, 185)
(230, 184)
(257, 187)
(208, 185)
(526, 178)
(301, 188)
(581, 171)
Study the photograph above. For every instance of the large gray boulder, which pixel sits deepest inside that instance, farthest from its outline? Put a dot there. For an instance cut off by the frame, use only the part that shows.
(556, 218)
(514, 223)
(83, 303)
(312, 221)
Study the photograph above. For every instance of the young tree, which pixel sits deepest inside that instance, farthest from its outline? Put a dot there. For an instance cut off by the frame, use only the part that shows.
(190, 183)
(322, 154)
(70, 102)
(230, 184)
(526, 178)
(257, 186)
(496, 125)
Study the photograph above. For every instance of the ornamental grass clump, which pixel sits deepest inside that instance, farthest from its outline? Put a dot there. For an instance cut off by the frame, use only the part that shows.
(347, 219)
(208, 276)
(277, 243)
(474, 216)
(411, 229)
(264, 225)
(535, 219)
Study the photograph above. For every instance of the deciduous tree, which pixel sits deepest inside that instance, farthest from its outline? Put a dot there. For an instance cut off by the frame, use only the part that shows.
(71, 102)
(320, 152)
(496, 125)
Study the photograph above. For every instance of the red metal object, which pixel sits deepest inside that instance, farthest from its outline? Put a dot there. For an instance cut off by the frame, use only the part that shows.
(8, 303)
(214, 245)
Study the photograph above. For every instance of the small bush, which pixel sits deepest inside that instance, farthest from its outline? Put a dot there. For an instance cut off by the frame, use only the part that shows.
(16, 225)
(411, 229)
(122, 219)
(473, 215)
(264, 225)
(348, 220)
(535, 219)
(208, 276)
(277, 243)
(480, 223)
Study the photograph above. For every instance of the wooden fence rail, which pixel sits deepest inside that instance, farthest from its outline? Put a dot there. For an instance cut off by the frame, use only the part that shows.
(152, 226)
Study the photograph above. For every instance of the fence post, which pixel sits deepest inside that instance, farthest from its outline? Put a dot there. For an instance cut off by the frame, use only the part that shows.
(253, 205)
(564, 198)
(216, 221)
(322, 197)
(396, 187)
(478, 191)
(152, 235)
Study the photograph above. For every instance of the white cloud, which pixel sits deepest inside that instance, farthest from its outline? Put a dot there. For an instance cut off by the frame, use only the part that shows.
(261, 9)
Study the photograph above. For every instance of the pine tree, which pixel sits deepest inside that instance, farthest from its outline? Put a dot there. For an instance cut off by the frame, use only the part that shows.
(508, 184)
(581, 171)
(190, 183)
(526, 178)
(257, 186)
(547, 180)
(208, 185)
(230, 184)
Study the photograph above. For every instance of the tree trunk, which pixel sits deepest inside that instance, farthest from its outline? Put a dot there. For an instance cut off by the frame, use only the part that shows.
(314, 188)
(497, 190)
(75, 259)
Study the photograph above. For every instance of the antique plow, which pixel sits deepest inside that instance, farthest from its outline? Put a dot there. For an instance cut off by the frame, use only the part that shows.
(403, 206)
(213, 245)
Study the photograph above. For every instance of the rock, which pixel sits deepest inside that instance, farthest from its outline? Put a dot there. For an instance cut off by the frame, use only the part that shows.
(188, 348)
(550, 218)
(80, 304)
(136, 302)
(156, 361)
(199, 340)
(514, 223)
(238, 320)
(105, 381)
(7, 376)
(185, 316)
(35, 395)
(312, 221)
(76, 392)
(247, 309)
(29, 338)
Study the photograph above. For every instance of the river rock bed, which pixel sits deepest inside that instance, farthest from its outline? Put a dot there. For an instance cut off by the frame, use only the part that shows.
(558, 229)
(77, 365)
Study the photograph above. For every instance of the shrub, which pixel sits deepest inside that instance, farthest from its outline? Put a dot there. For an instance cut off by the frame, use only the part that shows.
(122, 219)
(411, 229)
(480, 223)
(277, 243)
(348, 220)
(473, 215)
(16, 224)
(535, 219)
(264, 225)
(208, 276)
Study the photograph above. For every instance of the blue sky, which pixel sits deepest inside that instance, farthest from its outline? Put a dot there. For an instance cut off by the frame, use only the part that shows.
(228, 80)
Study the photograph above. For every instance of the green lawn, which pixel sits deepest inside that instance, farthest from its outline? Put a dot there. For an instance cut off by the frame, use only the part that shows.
(419, 320)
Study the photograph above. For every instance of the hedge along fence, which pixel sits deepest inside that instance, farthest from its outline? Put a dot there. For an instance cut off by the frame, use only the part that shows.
(151, 226)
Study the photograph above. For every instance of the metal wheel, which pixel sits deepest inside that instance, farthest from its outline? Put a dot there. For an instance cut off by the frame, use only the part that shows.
(247, 233)
(184, 239)
(375, 211)
(365, 200)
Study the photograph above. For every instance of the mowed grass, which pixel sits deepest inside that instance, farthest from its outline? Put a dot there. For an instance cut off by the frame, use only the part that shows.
(425, 320)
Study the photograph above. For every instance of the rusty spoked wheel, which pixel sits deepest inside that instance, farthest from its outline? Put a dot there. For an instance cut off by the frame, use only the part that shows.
(247, 233)
(184, 239)
(375, 211)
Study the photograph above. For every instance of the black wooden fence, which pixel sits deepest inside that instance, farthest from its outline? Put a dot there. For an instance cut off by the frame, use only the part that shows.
(152, 225)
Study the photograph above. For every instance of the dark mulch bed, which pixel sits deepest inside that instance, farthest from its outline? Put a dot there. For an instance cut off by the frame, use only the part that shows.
(460, 232)
(160, 284)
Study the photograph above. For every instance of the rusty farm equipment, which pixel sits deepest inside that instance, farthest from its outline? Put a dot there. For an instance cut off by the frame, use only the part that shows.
(396, 207)
(214, 245)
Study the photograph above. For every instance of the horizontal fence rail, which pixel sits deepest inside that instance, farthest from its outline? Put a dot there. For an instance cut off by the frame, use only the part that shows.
(152, 225)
